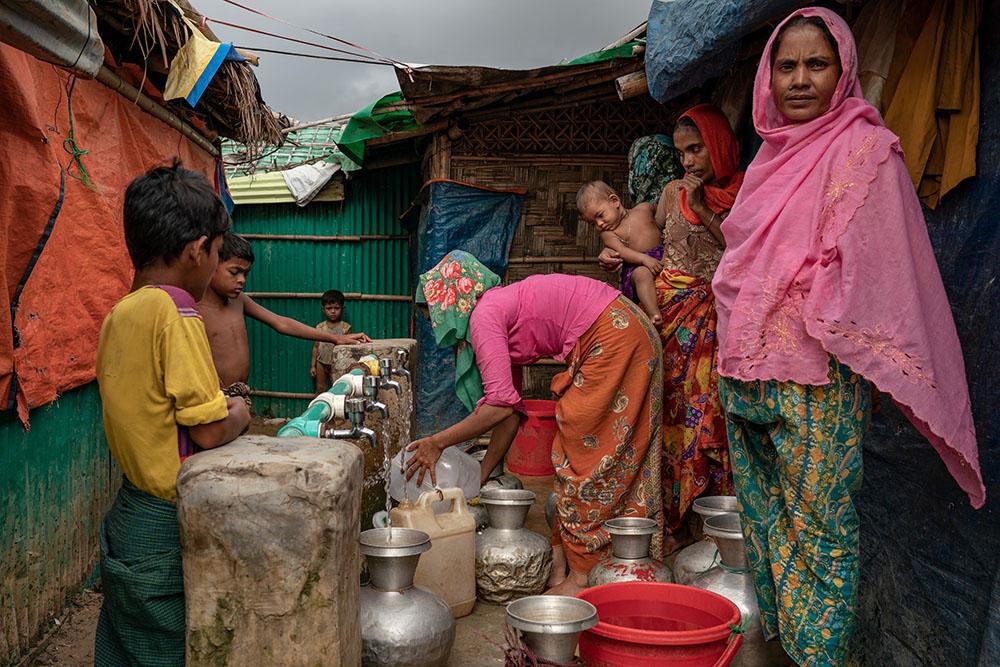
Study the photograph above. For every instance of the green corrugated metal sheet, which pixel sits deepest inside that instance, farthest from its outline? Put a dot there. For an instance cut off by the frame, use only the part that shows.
(56, 483)
(373, 203)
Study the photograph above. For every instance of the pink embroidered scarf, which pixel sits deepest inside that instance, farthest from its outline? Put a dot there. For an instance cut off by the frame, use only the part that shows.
(828, 254)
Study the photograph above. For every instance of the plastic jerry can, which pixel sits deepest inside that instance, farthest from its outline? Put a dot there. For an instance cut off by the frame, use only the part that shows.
(449, 568)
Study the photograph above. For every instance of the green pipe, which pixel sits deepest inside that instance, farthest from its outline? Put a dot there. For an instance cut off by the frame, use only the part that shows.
(308, 423)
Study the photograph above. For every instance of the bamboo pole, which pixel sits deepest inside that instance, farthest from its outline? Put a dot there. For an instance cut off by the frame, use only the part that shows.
(353, 296)
(322, 121)
(628, 37)
(306, 237)
(632, 85)
(129, 92)
(266, 393)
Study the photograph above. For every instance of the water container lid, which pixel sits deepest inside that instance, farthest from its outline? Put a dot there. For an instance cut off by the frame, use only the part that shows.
(631, 525)
(726, 526)
(394, 542)
(506, 497)
(712, 505)
(551, 614)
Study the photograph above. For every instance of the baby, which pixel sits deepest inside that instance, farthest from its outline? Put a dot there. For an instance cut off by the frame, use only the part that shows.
(634, 234)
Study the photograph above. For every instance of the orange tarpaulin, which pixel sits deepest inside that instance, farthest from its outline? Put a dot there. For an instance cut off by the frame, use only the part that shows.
(83, 268)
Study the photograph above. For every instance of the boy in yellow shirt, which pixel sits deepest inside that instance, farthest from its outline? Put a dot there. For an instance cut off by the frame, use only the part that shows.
(161, 399)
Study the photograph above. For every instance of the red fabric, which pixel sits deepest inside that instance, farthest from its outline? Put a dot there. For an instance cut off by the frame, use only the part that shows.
(724, 151)
(84, 268)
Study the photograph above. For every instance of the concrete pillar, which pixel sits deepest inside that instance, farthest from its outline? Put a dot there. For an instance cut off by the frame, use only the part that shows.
(269, 532)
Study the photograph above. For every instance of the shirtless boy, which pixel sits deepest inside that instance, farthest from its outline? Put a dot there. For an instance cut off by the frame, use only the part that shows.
(634, 233)
(224, 306)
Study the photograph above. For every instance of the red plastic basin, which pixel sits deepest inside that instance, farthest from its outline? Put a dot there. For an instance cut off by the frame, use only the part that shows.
(649, 624)
(531, 452)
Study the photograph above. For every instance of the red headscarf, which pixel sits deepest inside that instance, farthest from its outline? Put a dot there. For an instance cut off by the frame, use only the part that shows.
(724, 151)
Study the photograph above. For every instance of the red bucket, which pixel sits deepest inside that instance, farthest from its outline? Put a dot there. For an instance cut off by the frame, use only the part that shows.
(650, 624)
(531, 452)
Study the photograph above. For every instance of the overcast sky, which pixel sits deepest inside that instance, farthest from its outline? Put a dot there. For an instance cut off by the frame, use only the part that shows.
(516, 34)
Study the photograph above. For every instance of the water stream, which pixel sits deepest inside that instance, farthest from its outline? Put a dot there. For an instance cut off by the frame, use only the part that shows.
(384, 440)
(405, 409)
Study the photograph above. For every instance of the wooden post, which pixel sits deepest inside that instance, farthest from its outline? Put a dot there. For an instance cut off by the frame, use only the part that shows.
(632, 85)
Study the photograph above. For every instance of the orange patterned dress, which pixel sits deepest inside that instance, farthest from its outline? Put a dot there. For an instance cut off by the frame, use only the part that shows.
(695, 449)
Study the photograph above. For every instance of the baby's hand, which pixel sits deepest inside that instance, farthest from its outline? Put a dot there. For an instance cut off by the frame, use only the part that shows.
(653, 265)
(351, 339)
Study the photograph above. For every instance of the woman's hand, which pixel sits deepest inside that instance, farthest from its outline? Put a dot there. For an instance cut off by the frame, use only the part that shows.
(695, 189)
(423, 460)
(609, 260)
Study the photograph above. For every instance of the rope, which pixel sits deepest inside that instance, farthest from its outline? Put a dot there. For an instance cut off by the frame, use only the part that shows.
(734, 570)
(379, 56)
(285, 37)
(69, 143)
(257, 49)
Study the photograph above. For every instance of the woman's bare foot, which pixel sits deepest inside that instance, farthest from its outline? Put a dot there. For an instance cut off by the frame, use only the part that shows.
(574, 584)
(559, 567)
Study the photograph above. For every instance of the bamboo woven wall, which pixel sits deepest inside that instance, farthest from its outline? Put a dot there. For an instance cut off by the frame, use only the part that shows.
(551, 154)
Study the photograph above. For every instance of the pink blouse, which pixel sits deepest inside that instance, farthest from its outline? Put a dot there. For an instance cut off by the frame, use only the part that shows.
(540, 316)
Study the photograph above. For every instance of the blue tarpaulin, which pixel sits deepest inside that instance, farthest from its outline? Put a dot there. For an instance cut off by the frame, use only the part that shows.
(691, 41)
(930, 564)
(455, 216)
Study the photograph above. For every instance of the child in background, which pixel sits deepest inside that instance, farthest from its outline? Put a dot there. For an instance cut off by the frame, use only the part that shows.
(634, 233)
(322, 356)
(160, 396)
(224, 307)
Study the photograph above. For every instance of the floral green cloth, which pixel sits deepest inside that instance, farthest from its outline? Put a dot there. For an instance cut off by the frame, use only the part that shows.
(652, 163)
(450, 291)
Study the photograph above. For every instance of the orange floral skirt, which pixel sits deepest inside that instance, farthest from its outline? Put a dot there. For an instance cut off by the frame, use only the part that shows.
(695, 448)
(607, 449)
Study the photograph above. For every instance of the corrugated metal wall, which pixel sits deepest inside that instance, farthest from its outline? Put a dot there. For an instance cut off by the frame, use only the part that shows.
(374, 201)
(56, 483)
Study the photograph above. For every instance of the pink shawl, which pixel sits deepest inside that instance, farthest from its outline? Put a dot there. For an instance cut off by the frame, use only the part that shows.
(828, 254)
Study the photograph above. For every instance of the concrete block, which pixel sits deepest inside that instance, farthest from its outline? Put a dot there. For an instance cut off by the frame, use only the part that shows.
(269, 531)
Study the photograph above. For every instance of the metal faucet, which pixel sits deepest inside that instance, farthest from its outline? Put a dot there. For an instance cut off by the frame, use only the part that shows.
(371, 386)
(355, 409)
(386, 371)
(402, 357)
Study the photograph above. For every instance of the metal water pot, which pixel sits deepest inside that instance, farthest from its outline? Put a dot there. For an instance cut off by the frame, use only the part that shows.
(511, 561)
(402, 625)
(700, 556)
(629, 559)
(551, 624)
(731, 579)
(550, 509)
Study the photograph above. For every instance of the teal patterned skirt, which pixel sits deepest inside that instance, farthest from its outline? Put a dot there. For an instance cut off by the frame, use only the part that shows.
(796, 457)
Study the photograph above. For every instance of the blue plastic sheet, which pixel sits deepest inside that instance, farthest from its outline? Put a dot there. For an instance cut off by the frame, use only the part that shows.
(691, 41)
(455, 216)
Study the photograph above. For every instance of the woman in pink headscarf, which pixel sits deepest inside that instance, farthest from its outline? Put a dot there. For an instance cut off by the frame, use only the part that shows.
(828, 283)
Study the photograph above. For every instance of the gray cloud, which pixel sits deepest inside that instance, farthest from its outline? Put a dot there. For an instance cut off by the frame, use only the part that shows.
(515, 34)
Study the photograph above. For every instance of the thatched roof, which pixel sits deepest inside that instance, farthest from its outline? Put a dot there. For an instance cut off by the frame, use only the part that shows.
(148, 33)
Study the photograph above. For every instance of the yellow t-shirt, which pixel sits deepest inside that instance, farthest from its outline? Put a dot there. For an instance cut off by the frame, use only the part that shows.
(156, 376)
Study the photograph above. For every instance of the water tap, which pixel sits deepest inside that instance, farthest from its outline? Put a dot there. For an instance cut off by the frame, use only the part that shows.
(371, 386)
(402, 357)
(386, 371)
(355, 408)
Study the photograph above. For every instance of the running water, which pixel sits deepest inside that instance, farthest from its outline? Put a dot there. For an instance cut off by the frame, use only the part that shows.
(405, 412)
(385, 474)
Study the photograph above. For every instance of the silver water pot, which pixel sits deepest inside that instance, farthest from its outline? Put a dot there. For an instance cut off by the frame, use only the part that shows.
(629, 559)
(731, 579)
(700, 556)
(511, 561)
(402, 625)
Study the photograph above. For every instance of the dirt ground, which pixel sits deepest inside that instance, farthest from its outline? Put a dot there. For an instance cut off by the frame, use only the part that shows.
(477, 636)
